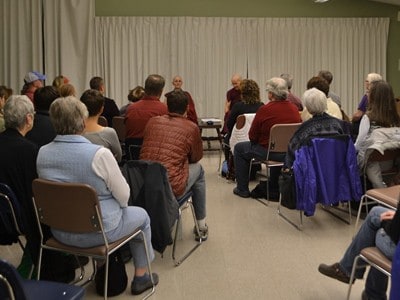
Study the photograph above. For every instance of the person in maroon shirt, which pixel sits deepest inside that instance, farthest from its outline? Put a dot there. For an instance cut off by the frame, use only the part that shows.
(139, 113)
(277, 111)
(191, 112)
(232, 97)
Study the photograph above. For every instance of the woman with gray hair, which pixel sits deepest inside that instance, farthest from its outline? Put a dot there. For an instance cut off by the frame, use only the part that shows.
(72, 158)
(320, 124)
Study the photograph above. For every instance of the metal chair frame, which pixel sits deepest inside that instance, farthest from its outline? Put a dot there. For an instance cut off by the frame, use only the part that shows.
(74, 207)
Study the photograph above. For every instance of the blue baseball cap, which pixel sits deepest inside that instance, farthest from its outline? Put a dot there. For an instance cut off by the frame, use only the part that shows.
(33, 76)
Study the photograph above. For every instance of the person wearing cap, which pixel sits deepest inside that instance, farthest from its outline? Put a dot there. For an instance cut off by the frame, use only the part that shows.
(32, 81)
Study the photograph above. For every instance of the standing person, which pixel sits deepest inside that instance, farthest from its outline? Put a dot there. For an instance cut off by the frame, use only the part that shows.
(277, 111)
(292, 97)
(72, 158)
(139, 113)
(232, 97)
(175, 142)
(191, 113)
(32, 81)
(327, 75)
(110, 108)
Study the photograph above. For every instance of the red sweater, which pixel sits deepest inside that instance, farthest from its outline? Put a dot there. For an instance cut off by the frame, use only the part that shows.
(275, 112)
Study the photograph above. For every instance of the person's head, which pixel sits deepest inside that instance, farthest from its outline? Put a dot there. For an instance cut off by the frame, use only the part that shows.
(382, 105)
(315, 101)
(154, 85)
(34, 78)
(289, 80)
(177, 82)
(371, 78)
(68, 115)
(277, 88)
(94, 102)
(67, 90)
(136, 94)
(319, 83)
(97, 83)
(19, 113)
(235, 80)
(59, 81)
(250, 91)
(44, 97)
(327, 75)
(177, 102)
(3, 95)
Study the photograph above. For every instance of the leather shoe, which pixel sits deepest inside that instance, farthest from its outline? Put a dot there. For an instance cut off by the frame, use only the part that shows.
(334, 271)
(243, 194)
(140, 285)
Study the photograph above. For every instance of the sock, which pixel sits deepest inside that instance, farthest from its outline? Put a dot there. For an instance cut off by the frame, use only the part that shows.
(142, 278)
(201, 223)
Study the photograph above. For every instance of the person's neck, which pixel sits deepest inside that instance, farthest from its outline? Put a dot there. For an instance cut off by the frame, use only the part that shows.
(92, 124)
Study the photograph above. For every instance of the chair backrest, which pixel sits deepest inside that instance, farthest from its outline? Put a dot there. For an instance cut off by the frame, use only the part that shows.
(240, 121)
(389, 154)
(103, 121)
(280, 135)
(119, 126)
(10, 213)
(70, 207)
(240, 132)
(11, 286)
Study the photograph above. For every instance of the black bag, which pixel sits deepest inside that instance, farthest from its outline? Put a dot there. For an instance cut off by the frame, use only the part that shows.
(117, 277)
(287, 187)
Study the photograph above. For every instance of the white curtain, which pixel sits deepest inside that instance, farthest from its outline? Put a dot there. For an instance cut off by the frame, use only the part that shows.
(207, 51)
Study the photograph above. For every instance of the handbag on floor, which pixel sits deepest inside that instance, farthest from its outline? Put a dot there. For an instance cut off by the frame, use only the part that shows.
(287, 187)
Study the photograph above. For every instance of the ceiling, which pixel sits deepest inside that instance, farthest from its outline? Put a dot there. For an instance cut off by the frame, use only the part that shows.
(394, 2)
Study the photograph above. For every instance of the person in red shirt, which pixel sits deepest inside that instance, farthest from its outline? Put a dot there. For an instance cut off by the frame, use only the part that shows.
(277, 111)
(139, 113)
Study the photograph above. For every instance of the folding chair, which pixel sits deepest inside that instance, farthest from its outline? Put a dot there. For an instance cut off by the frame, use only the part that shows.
(13, 286)
(118, 124)
(102, 121)
(279, 137)
(375, 258)
(74, 207)
(10, 215)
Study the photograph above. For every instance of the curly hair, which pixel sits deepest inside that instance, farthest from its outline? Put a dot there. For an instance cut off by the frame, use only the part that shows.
(250, 91)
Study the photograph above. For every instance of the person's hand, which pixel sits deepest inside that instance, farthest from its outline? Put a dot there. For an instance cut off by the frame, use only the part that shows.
(387, 215)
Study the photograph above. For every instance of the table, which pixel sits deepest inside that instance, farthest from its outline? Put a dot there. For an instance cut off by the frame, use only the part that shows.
(218, 137)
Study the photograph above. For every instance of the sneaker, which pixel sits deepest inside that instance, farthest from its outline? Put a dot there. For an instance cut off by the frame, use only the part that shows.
(243, 194)
(334, 271)
(141, 284)
(203, 234)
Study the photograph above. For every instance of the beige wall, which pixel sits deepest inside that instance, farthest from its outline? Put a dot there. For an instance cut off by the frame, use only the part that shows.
(267, 8)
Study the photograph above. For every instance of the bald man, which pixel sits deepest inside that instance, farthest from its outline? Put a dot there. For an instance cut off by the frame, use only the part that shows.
(232, 97)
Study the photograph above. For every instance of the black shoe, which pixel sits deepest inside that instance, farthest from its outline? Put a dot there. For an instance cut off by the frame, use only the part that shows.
(143, 284)
(364, 295)
(335, 272)
(203, 234)
(243, 194)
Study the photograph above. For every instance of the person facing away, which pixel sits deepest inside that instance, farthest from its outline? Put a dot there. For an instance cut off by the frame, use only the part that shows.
(72, 158)
(59, 81)
(328, 76)
(139, 113)
(4, 94)
(134, 95)
(331, 107)
(191, 113)
(292, 97)
(321, 123)
(277, 111)
(110, 108)
(43, 131)
(97, 134)
(175, 142)
(32, 81)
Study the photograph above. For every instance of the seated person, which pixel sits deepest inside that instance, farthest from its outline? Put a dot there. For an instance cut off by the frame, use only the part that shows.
(321, 123)
(380, 229)
(134, 96)
(97, 134)
(277, 111)
(381, 113)
(3, 98)
(72, 158)
(175, 142)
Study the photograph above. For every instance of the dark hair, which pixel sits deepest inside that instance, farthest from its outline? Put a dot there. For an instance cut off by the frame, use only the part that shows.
(250, 91)
(177, 102)
(3, 92)
(136, 94)
(154, 85)
(96, 82)
(44, 96)
(93, 100)
(319, 83)
(327, 75)
(382, 105)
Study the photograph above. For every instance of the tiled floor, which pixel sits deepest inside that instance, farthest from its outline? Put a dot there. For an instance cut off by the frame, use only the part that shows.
(251, 253)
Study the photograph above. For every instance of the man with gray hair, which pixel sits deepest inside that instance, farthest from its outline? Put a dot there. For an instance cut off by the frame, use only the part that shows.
(291, 97)
(277, 111)
(327, 75)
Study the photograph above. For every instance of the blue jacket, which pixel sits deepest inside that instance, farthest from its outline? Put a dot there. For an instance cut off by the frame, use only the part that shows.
(326, 172)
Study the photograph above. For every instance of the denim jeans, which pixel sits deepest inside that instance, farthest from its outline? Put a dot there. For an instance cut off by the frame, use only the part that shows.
(197, 185)
(243, 154)
(370, 234)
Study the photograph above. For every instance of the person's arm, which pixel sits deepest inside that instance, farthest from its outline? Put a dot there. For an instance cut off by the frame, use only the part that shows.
(105, 166)
(115, 145)
(196, 147)
(227, 105)
(363, 131)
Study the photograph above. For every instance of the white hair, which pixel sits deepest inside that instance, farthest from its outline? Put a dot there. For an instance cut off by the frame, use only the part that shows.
(315, 101)
(278, 87)
(15, 111)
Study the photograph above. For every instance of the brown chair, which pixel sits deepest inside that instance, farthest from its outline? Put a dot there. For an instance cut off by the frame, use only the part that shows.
(102, 121)
(279, 137)
(375, 258)
(118, 124)
(74, 207)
